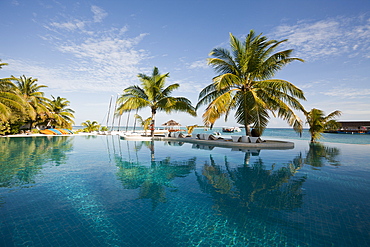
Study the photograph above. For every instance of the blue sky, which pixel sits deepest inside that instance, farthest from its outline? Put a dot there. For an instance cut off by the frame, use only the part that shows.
(89, 51)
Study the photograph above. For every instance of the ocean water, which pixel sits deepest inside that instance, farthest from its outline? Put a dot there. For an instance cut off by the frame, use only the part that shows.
(105, 191)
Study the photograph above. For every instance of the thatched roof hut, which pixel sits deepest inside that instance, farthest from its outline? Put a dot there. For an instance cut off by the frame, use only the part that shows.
(171, 124)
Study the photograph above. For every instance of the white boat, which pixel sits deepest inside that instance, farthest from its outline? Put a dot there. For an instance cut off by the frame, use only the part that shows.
(231, 129)
(141, 135)
(135, 137)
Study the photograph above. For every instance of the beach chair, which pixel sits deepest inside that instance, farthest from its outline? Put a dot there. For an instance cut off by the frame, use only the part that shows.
(181, 135)
(235, 138)
(245, 139)
(214, 138)
(255, 139)
(205, 136)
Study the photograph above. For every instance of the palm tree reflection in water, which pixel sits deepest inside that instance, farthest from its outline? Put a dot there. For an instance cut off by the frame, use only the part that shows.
(21, 168)
(253, 189)
(318, 155)
(250, 187)
(152, 180)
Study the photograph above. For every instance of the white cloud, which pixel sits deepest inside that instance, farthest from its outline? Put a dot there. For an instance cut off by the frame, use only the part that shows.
(98, 59)
(349, 92)
(78, 24)
(330, 37)
(199, 64)
(102, 64)
(99, 13)
(108, 61)
(69, 26)
(189, 87)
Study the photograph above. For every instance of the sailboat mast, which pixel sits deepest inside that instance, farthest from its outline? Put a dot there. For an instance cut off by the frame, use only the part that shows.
(115, 107)
(110, 104)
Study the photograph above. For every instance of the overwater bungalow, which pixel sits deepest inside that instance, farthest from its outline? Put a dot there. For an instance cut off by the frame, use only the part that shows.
(352, 127)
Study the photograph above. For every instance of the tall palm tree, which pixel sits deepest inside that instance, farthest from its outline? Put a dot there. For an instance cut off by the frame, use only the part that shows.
(244, 83)
(318, 122)
(155, 95)
(61, 115)
(28, 88)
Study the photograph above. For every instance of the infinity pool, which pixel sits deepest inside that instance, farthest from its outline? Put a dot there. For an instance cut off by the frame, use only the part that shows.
(103, 191)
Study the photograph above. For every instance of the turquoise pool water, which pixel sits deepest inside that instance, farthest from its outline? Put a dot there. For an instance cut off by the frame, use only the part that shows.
(103, 191)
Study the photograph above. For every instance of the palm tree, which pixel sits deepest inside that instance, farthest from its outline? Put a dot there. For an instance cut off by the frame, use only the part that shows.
(155, 95)
(318, 122)
(244, 84)
(10, 102)
(30, 91)
(61, 115)
(2, 64)
(145, 123)
(90, 126)
(191, 128)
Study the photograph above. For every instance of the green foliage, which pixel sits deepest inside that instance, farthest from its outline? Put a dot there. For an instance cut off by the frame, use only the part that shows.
(22, 102)
(4, 128)
(60, 115)
(91, 126)
(318, 122)
(104, 128)
(332, 125)
(243, 84)
(145, 123)
(191, 128)
(155, 95)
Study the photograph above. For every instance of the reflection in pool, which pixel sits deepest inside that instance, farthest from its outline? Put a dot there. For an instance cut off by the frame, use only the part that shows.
(78, 191)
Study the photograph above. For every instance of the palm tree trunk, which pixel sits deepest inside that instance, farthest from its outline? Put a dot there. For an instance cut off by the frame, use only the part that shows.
(153, 123)
(246, 126)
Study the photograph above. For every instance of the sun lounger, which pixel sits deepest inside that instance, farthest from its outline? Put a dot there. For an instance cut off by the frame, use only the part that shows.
(255, 139)
(214, 138)
(181, 135)
(235, 138)
(244, 139)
